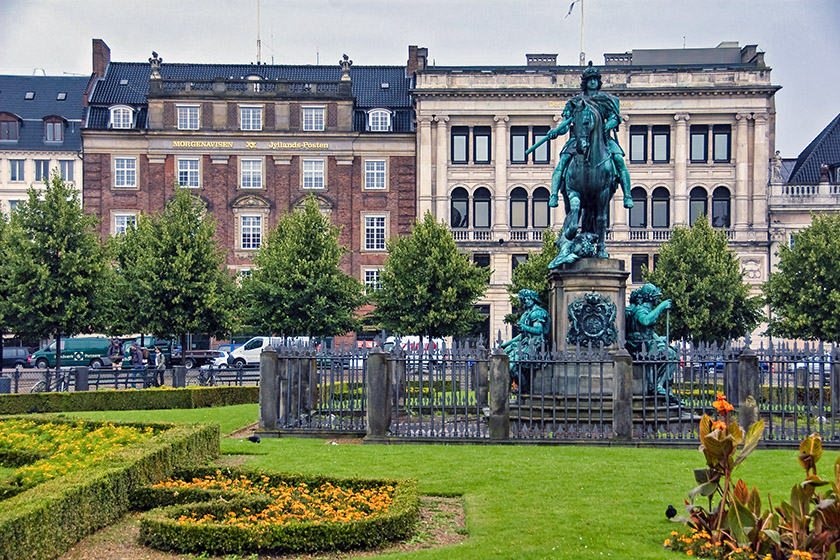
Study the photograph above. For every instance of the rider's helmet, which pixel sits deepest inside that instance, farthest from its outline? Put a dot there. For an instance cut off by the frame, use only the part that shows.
(590, 72)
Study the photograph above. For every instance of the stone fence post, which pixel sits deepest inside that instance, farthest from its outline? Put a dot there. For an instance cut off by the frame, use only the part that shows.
(747, 388)
(482, 372)
(179, 377)
(284, 400)
(499, 396)
(81, 379)
(269, 394)
(378, 395)
(622, 423)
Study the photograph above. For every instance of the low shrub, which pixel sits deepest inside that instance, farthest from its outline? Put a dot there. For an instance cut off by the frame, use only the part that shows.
(234, 511)
(128, 399)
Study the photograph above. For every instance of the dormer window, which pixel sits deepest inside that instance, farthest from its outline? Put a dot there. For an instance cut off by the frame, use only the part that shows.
(379, 120)
(9, 127)
(121, 117)
(54, 129)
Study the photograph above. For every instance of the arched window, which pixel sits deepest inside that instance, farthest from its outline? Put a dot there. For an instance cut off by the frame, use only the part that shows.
(481, 208)
(660, 208)
(698, 201)
(519, 208)
(459, 216)
(122, 117)
(379, 120)
(539, 208)
(638, 214)
(721, 215)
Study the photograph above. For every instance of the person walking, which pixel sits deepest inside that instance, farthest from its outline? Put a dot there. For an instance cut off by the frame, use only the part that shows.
(160, 367)
(137, 367)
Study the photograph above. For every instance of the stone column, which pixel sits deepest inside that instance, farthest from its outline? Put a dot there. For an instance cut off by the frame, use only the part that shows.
(425, 198)
(623, 395)
(269, 395)
(742, 171)
(441, 167)
(747, 387)
(378, 395)
(680, 211)
(80, 377)
(499, 401)
(500, 199)
(761, 160)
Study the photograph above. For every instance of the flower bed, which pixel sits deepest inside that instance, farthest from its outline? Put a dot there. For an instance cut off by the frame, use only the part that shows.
(239, 511)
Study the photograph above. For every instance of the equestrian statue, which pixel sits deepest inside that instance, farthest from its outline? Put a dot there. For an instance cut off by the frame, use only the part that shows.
(590, 169)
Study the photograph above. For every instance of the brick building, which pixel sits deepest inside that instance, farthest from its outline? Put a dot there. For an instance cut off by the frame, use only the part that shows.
(253, 141)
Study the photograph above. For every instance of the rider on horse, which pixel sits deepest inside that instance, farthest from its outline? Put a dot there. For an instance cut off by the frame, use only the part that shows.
(608, 107)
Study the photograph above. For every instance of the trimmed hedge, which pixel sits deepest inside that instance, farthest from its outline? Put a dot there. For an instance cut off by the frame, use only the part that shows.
(128, 399)
(45, 521)
(159, 528)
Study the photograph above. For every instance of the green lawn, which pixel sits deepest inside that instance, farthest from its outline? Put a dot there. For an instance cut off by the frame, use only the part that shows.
(521, 501)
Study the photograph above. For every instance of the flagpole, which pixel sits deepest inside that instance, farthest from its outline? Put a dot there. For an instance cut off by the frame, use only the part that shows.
(582, 54)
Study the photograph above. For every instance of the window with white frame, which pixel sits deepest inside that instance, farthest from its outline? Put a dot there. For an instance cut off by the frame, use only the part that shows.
(122, 222)
(379, 120)
(13, 204)
(54, 131)
(313, 118)
(16, 170)
(251, 173)
(313, 174)
(375, 232)
(251, 231)
(42, 170)
(187, 117)
(122, 117)
(250, 118)
(125, 172)
(371, 280)
(375, 176)
(67, 169)
(188, 173)
(244, 273)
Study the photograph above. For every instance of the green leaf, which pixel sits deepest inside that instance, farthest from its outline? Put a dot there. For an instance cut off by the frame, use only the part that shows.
(706, 490)
(751, 441)
(773, 536)
(741, 520)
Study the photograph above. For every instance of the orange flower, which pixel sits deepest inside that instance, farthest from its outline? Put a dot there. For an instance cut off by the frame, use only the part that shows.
(719, 425)
(721, 405)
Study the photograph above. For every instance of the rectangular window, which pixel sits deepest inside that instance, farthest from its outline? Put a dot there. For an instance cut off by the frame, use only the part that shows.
(371, 280)
(124, 221)
(313, 174)
(251, 173)
(659, 212)
(482, 260)
(16, 170)
(125, 172)
(374, 233)
(699, 143)
(638, 144)
(54, 131)
(313, 118)
(250, 118)
(721, 134)
(516, 260)
(481, 144)
(518, 143)
(251, 231)
(188, 174)
(543, 153)
(67, 168)
(14, 204)
(460, 136)
(661, 144)
(188, 117)
(42, 170)
(8, 130)
(638, 262)
(375, 174)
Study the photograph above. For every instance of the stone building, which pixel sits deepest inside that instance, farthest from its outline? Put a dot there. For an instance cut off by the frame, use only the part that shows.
(253, 141)
(40, 132)
(698, 134)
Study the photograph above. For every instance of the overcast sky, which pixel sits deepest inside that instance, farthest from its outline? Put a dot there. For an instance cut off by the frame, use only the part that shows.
(799, 37)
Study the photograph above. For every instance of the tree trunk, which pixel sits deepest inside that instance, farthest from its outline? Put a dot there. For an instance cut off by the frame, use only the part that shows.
(57, 350)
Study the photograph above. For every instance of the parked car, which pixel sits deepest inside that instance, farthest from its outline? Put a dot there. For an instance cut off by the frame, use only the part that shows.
(222, 359)
(249, 353)
(77, 351)
(228, 347)
(15, 357)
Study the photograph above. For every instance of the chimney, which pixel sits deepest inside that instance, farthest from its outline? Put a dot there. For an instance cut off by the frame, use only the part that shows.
(101, 57)
(546, 59)
(417, 57)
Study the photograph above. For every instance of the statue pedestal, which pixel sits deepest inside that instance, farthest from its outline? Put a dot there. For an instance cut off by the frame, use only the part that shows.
(586, 305)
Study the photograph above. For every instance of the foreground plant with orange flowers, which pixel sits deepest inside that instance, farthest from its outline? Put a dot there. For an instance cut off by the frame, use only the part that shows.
(736, 528)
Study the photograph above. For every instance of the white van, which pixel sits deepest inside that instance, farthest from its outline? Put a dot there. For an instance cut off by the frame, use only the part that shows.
(249, 353)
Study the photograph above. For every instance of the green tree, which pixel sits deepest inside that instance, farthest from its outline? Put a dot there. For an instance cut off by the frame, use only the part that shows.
(427, 286)
(804, 294)
(533, 275)
(297, 287)
(55, 266)
(702, 277)
(171, 277)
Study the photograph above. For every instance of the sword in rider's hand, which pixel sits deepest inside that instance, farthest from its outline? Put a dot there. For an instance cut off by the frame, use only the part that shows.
(539, 143)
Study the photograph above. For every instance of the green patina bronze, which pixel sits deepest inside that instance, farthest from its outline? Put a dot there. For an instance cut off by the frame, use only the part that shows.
(533, 327)
(591, 165)
(592, 321)
(660, 359)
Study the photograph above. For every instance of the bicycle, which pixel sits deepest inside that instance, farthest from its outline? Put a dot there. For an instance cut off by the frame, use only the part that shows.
(59, 381)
